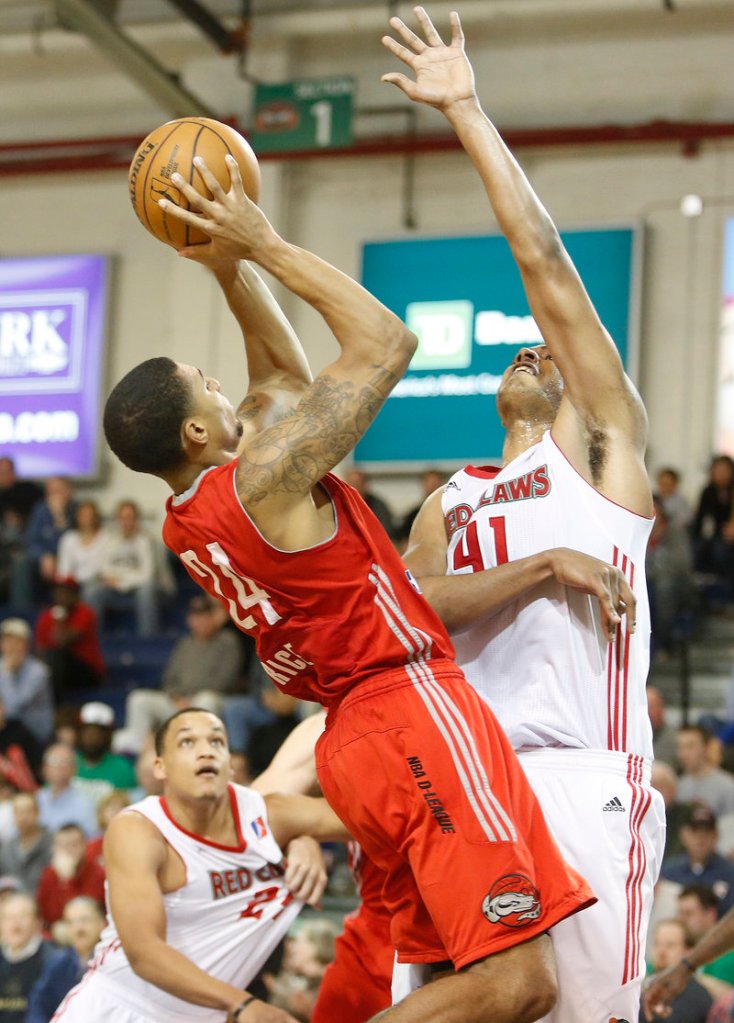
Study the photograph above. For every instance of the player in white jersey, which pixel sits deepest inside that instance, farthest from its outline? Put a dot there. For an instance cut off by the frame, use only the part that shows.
(198, 890)
(526, 630)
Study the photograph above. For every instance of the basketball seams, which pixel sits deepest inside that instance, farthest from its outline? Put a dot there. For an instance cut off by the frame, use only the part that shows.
(200, 132)
(147, 173)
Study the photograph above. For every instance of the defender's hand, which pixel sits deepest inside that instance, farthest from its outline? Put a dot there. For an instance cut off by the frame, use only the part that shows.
(305, 873)
(582, 572)
(660, 990)
(237, 226)
(443, 74)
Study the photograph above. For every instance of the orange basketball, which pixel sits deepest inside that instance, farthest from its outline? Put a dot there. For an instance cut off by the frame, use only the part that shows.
(172, 148)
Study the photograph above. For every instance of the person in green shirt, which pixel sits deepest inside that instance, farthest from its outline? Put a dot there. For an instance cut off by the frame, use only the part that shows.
(698, 910)
(95, 761)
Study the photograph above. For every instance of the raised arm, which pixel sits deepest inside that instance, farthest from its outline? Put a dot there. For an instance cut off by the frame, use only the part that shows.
(462, 600)
(134, 854)
(280, 465)
(601, 404)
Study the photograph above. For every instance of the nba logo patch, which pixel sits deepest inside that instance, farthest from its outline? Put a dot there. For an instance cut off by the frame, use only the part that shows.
(258, 826)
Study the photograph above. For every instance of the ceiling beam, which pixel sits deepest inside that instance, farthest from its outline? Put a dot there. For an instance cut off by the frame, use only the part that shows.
(94, 19)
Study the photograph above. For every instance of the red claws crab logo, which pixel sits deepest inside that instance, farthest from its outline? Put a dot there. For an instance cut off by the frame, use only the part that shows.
(512, 901)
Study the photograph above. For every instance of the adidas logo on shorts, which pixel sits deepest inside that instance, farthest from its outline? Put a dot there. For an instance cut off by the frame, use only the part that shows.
(614, 806)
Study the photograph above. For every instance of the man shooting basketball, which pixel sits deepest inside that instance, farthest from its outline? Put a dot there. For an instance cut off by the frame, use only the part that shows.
(573, 476)
(411, 760)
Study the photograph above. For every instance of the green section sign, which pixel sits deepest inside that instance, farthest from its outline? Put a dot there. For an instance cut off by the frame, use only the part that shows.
(309, 114)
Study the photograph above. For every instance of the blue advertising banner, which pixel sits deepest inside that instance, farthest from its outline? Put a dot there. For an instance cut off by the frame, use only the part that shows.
(464, 299)
(52, 323)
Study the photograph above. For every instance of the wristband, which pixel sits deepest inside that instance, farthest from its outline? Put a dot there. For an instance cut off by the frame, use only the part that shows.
(242, 1006)
(688, 965)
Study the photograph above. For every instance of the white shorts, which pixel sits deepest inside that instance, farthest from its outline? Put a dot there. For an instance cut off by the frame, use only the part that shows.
(90, 1002)
(610, 826)
(98, 999)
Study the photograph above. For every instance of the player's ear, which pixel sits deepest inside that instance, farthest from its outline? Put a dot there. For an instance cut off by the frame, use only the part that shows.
(159, 771)
(194, 434)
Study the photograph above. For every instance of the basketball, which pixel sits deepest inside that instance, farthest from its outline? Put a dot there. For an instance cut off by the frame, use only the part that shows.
(172, 148)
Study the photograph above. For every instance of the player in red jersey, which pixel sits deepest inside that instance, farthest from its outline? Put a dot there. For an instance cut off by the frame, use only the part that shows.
(412, 760)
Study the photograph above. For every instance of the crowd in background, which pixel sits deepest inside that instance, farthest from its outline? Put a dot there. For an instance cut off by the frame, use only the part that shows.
(74, 750)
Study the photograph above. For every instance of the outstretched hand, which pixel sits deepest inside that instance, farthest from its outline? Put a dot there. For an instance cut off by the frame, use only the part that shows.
(443, 74)
(237, 226)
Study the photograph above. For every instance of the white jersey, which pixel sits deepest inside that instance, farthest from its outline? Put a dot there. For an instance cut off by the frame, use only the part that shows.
(227, 918)
(543, 663)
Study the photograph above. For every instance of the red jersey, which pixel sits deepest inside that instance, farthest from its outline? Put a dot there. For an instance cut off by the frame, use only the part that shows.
(324, 618)
(81, 619)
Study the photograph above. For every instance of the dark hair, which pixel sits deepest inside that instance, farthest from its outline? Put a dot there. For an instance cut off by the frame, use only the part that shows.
(159, 739)
(705, 895)
(143, 416)
(703, 733)
(668, 470)
(71, 826)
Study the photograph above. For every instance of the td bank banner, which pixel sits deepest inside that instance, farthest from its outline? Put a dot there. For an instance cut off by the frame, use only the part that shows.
(52, 322)
(464, 300)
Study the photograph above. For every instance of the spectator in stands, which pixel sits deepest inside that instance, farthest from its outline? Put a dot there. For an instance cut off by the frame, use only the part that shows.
(665, 780)
(25, 684)
(266, 739)
(59, 802)
(127, 576)
(26, 855)
(379, 508)
(68, 875)
(664, 736)
(698, 910)
(23, 955)
(670, 583)
(82, 549)
(670, 944)
(701, 780)
(95, 761)
(66, 638)
(700, 863)
(431, 480)
(713, 526)
(20, 754)
(83, 921)
(244, 712)
(34, 567)
(311, 949)
(17, 498)
(203, 668)
(677, 507)
(147, 783)
(107, 808)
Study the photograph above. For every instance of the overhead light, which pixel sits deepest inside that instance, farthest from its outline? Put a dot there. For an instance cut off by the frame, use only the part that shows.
(691, 205)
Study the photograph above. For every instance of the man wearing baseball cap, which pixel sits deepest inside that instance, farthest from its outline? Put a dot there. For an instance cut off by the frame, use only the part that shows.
(95, 761)
(700, 863)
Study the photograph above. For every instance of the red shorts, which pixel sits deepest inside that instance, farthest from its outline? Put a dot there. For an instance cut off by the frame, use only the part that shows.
(419, 770)
(357, 985)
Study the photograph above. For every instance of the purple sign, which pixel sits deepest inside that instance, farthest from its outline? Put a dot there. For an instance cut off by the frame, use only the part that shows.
(52, 323)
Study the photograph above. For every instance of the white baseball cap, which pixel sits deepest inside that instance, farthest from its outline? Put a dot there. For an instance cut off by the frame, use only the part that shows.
(97, 713)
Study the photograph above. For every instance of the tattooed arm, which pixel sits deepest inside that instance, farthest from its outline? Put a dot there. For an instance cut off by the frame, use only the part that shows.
(278, 466)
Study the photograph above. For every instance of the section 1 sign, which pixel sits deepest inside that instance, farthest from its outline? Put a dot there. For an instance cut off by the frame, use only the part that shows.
(309, 114)
(52, 322)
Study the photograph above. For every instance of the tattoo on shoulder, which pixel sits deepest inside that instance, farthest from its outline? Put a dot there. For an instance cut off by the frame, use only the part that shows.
(291, 455)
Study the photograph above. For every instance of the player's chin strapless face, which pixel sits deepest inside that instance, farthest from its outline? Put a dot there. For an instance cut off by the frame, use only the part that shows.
(196, 757)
